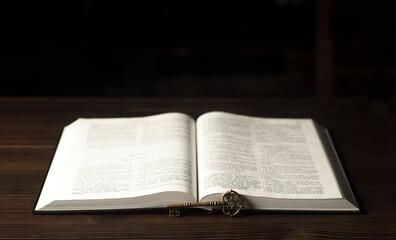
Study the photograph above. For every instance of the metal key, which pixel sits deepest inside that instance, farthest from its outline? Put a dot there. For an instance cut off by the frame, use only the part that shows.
(232, 204)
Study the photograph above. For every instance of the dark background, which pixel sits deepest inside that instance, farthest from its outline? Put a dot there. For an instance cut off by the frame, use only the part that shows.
(277, 48)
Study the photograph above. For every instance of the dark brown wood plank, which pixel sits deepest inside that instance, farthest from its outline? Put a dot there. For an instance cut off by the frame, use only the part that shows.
(30, 129)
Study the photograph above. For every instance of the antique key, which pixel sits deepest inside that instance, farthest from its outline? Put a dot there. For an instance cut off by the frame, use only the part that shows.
(232, 204)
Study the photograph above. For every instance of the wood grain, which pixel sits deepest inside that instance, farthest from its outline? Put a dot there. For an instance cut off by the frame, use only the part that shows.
(31, 127)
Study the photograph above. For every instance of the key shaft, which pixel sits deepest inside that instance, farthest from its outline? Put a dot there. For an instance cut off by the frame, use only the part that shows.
(199, 204)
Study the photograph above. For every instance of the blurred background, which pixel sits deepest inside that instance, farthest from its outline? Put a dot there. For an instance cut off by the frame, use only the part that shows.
(273, 48)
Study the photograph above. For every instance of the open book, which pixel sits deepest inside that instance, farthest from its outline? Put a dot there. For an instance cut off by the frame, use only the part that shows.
(149, 162)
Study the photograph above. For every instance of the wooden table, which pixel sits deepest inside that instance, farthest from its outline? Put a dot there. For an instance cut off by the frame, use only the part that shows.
(364, 131)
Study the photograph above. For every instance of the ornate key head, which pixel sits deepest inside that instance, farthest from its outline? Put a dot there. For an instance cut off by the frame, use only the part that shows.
(233, 203)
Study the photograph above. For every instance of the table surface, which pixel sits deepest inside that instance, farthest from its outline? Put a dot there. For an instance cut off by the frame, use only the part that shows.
(363, 130)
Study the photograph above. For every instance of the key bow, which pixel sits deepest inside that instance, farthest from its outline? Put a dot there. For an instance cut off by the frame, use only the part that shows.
(233, 202)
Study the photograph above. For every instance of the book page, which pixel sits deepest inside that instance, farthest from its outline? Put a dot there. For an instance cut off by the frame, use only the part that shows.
(128, 157)
(280, 158)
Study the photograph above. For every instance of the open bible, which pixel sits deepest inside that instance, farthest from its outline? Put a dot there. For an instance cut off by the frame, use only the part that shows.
(149, 162)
